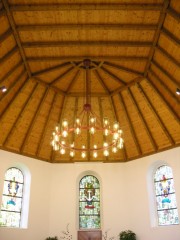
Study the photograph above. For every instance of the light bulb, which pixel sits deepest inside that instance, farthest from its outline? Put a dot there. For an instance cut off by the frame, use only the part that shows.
(106, 152)
(64, 133)
(64, 123)
(83, 153)
(62, 151)
(115, 136)
(106, 132)
(120, 143)
(114, 149)
(56, 138)
(77, 130)
(116, 126)
(72, 153)
(95, 154)
(92, 130)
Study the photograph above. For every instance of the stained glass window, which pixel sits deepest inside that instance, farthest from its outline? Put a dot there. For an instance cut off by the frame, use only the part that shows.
(165, 196)
(89, 203)
(10, 215)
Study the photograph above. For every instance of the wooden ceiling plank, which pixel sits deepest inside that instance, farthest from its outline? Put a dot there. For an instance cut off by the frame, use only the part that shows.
(5, 35)
(8, 55)
(175, 115)
(18, 117)
(61, 113)
(101, 81)
(43, 133)
(50, 44)
(143, 120)
(66, 73)
(121, 100)
(16, 94)
(174, 96)
(50, 27)
(38, 109)
(165, 72)
(170, 36)
(72, 7)
(16, 35)
(173, 14)
(117, 119)
(51, 69)
(156, 114)
(133, 82)
(11, 71)
(73, 81)
(93, 58)
(93, 94)
(113, 76)
(156, 35)
(2, 13)
(168, 56)
(128, 70)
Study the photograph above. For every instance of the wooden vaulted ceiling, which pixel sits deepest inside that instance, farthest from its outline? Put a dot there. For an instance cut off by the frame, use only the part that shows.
(134, 48)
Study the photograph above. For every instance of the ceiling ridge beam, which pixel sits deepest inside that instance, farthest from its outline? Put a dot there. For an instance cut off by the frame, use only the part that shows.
(170, 11)
(11, 71)
(156, 35)
(170, 36)
(168, 56)
(156, 114)
(113, 76)
(51, 69)
(151, 83)
(16, 35)
(5, 35)
(86, 43)
(13, 127)
(8, 55)
(140, 113)
(164, 71)
(132, 130)
(117, 119)
(87, 6)
(47, 27)
(30, 127)
(93, 58)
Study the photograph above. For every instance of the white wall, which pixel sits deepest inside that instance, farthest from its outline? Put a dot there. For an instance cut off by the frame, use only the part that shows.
(125, 197)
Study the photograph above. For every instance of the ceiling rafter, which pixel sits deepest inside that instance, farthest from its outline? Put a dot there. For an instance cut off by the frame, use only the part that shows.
(143, 120)
(93, 94)
(66, 73)
(2, 13)
(132, 130)
(164, 100)
(156, 114)
(113, 76)
(71, 7)
(165, 72)
(5, 35)
(50, 27)
(43, 132)
(13, 127)
(156, 35)
(162, 83)
(168, 56)
(38, 109)
(173, 13)
(16, 35)
(11, 71)
(49, 44)
(74, 79)
(170, 36)
(125, 69)
(103, 84)
(15, 95)
(117, 119)
(8, 55)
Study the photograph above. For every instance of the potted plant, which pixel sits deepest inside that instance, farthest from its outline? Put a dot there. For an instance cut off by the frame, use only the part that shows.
(127, 235)
(52, 238)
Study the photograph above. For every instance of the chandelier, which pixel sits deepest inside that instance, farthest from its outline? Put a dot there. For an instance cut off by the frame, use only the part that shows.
(65, 135)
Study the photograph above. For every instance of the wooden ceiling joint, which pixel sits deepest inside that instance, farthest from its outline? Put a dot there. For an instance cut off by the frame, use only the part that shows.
(173, 14)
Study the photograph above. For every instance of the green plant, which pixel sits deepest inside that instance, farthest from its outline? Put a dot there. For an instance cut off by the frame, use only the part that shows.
(127, 235)
(52, 238)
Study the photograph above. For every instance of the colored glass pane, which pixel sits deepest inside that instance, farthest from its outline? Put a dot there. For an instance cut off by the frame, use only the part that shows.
(89, 203)
(165, 196)
(11, 205)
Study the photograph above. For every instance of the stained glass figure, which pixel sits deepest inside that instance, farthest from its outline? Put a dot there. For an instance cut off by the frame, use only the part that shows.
(165, 196)
(89, 203)
(11, 206)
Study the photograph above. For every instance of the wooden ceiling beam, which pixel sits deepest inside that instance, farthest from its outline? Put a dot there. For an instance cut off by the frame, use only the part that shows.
(73, 81)
(8, 55)
(5, 35)
(173, 14)
(156, 114)
(168, 56)
(93, 94)
(31, 125)
(143, 120)
(93, 58)
(11, 71)
(76, 7)
(16, 35)
(103, 84)
(170, 36)
(51, 69)
(66, 73)
(50, 27)
(156, 35)
(2, 13)
(113, 76)
(121, 100)
(165, 72)
(18, 117)
(51, 44)
(125, 69)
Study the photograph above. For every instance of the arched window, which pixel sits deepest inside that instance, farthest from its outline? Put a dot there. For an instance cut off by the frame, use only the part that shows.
(165, 196)
(89, 203)
(11, 207)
